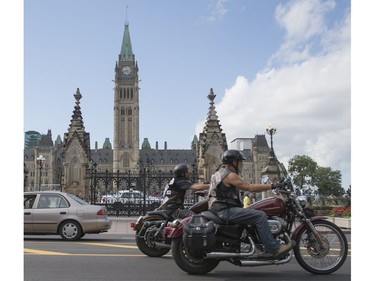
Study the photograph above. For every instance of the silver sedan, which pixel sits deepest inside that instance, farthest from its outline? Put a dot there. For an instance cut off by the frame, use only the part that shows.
(64, 214)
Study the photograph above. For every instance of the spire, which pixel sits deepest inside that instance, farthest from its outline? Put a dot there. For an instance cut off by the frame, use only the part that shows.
(126, 47)
(212, 129)
(76, 128)
(76, 123)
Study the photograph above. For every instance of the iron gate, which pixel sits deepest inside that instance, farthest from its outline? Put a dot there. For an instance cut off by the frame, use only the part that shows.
(149, 182)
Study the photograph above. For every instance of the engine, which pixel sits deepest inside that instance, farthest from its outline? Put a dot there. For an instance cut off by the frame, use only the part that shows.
(276, 225)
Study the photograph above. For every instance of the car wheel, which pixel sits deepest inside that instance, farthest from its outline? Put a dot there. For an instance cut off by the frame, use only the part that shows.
(70, 230)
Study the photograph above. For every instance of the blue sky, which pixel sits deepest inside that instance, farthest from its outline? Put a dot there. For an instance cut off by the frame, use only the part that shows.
(280, 62)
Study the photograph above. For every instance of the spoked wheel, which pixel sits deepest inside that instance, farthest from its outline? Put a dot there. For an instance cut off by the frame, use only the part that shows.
(189, 264)
(321, 258)
(146, 243)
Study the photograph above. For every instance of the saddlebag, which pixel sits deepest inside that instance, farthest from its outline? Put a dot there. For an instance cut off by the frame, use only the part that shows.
(199, 236)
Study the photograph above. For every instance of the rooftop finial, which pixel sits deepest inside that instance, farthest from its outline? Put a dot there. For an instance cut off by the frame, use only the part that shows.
(126, 15)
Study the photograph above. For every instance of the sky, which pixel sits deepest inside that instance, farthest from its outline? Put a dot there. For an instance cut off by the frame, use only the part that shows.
(285, 63)
(282, 62)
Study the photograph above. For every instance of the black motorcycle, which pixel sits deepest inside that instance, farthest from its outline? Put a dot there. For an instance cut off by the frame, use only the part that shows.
(152, 230)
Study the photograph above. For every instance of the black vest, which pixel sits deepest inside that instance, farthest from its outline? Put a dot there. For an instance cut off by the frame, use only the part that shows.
(221, 196)
(174, 193)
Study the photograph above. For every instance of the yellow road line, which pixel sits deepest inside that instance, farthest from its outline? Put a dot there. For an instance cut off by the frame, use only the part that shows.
(40, 252)
(109, 245)
(50, 253)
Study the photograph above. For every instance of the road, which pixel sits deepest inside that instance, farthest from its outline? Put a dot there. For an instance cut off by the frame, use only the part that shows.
(116, 257)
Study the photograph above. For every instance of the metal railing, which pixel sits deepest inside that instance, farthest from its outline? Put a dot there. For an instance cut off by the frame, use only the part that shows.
(135, 209)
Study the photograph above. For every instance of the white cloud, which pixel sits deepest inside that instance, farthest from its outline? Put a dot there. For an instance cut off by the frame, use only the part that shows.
(217, 10)
(303, 21)
(309, 102)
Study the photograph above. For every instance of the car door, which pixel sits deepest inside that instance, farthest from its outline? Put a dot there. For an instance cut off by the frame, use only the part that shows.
(50, 210)
(28, 203)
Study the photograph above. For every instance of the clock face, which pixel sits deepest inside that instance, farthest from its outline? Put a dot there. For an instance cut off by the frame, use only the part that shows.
(126, 70)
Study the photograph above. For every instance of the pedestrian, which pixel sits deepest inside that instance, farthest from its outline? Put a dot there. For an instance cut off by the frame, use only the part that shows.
(253, 198)
(225, 201)
(246, 200)
(174, 192)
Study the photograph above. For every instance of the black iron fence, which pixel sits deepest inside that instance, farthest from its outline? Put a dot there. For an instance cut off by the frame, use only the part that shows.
(128, 209)
(145, 179)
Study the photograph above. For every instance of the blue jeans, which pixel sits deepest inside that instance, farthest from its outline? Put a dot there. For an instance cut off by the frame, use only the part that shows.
(249, 216)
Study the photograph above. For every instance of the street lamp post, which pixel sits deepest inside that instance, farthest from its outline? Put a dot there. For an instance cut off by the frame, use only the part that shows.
(40, 161)
(93, 184)
(271, 170)
(271, 130)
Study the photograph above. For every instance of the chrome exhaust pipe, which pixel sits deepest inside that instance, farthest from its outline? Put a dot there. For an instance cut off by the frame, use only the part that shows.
(264, 262)
(219, 255)
(162, 245)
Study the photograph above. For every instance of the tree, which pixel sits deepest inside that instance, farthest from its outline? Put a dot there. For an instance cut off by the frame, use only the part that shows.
(302, 169)
(328, 182)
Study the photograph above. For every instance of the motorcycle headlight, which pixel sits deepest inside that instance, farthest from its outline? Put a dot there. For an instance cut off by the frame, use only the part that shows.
(302, 200)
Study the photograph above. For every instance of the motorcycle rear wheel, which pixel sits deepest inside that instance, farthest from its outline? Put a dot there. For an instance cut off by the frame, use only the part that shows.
(146, 243)
(189, 264)
(315, 258)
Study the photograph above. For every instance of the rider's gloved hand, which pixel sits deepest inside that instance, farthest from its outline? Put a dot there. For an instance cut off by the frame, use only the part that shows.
(278, 185)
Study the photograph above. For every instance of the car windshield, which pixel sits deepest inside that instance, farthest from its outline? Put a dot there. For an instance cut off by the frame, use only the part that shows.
(130, 195)
(79, 200)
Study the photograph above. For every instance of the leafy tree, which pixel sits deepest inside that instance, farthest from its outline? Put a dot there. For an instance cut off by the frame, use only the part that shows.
(328, 182)
(302, 169)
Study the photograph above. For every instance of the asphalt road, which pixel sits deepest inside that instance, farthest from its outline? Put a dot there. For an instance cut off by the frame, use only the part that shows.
(116, 257)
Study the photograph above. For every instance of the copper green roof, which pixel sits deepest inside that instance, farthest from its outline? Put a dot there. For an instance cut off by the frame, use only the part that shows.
(126, 47)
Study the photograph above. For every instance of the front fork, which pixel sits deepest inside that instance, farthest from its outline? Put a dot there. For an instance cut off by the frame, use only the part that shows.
(315, 232)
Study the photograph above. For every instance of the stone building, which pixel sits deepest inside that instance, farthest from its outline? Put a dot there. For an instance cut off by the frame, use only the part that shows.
(68, 163)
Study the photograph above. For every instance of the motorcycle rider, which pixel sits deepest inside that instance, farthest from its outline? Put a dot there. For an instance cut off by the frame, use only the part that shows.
(174, 192)
(225, 201)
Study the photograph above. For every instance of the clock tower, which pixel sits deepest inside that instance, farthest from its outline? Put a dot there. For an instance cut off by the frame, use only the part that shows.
(126, 108)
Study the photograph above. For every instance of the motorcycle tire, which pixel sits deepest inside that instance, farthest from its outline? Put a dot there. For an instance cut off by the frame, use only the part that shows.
(188, 264)
(321, 260)
(146, 243)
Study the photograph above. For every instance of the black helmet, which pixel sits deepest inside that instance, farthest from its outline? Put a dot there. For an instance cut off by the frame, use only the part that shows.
(180, 169)
(230, 155)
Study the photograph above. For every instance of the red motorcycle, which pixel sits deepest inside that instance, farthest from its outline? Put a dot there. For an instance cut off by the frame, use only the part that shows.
(201, 242)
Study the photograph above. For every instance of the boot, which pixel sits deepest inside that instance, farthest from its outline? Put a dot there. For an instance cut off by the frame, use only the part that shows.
(283, 249)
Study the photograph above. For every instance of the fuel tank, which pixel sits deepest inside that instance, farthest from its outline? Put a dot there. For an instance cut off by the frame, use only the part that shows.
(271, 206)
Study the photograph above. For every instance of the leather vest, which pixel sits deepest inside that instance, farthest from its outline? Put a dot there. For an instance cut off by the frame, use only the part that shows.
(221, 196)
(174, 193)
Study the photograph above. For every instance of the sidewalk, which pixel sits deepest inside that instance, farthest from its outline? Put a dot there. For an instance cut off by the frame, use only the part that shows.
(122, 226)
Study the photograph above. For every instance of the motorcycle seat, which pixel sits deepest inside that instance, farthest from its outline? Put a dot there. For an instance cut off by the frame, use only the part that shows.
(214, 217)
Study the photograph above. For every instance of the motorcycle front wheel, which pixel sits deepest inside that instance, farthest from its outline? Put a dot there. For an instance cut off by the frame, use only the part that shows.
(189, 264)
(146, 242)
(325, 258)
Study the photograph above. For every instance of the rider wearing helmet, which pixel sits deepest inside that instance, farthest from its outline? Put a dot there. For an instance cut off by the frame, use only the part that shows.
(174, 192)
(225, 200)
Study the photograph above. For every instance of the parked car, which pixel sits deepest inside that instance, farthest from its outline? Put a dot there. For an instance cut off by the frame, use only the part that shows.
(130, 196)
(64, 214)
(108, 199)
